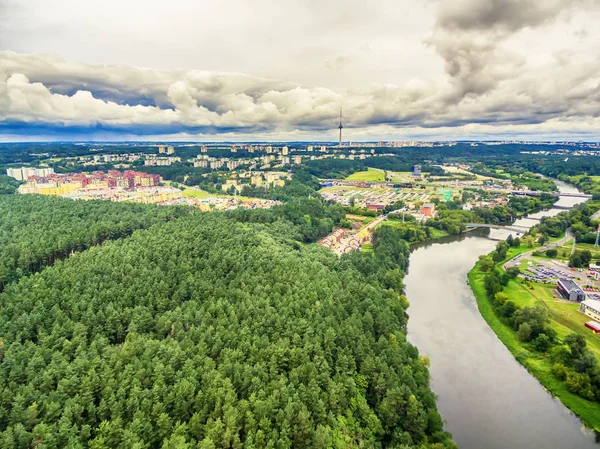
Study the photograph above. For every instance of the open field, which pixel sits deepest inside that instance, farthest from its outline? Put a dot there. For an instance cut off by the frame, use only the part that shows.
(461, 171)
(581, 246)
(367, 248)
(196, 193)
(371, 174)
(565, 315)
(360, 218)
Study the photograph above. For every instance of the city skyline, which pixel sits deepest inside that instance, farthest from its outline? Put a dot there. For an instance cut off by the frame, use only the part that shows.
(439, 70)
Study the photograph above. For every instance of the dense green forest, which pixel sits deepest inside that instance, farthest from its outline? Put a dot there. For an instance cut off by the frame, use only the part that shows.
(204, 333)
(36, 230)
(226, 330)
(8, 185)
(578, 219)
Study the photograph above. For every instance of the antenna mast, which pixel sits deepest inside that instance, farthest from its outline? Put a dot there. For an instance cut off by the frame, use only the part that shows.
(340, 127)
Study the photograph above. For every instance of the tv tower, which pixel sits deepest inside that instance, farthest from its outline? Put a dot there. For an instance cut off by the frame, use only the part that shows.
(340, 127)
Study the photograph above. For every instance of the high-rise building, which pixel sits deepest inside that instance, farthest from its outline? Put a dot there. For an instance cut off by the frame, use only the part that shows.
(15, 173)
(285, 151)
(161, 148)
(170, 150)
(23, 173)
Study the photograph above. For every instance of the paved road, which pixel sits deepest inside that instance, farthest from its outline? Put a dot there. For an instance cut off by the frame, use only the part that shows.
(515, 260)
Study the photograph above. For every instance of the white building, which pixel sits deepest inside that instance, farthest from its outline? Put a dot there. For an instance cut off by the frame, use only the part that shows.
(591, 308)
(23, 173)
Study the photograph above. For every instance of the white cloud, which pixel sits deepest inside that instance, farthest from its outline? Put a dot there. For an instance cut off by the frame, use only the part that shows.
(442, 67)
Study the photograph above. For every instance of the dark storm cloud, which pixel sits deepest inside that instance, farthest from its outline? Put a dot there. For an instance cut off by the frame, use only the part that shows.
(468, 35)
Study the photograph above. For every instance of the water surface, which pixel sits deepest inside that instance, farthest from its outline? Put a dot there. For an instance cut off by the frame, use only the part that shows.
(488, 400)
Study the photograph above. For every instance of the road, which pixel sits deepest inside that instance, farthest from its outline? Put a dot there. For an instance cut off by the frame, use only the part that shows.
(515, 260)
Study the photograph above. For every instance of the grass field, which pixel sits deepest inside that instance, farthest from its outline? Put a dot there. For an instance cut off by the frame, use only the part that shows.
(195, 193)
(367, 248)
(564, 319)
(581, 246)
(360, 218)
(371, 174)
(565, 315)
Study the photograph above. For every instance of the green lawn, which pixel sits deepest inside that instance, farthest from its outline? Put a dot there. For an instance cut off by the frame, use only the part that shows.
(564, 319)
(370, 175)
(367, 248)
(583, 246)
(397, 223)
(565, 316)
(195, 193)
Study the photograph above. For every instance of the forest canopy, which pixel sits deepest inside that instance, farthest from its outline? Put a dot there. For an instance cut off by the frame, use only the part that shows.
(36, 230)
(206, 333)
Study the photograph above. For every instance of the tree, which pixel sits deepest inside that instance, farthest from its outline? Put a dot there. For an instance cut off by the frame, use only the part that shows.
(553, 252)
(513, 272)
(510, 240)
(524, 332)
(501, 297)
(486, 264)
(542, 343)
(529, 241)
(145, 348)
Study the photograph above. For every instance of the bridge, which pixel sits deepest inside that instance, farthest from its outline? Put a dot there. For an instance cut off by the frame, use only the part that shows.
(559, 194)
(513, 228)
(530, 218)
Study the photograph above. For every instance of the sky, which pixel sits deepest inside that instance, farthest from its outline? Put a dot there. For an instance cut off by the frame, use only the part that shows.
(274, 71)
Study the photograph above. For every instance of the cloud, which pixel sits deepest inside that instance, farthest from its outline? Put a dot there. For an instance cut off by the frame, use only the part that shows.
(468, 35)
(493, 84)
(338, 63)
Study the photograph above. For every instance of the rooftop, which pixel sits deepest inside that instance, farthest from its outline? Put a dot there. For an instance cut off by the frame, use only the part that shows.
(569, 284)
(592, 304)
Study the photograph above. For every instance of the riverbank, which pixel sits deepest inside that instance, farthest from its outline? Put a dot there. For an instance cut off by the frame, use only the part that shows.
(538, 364)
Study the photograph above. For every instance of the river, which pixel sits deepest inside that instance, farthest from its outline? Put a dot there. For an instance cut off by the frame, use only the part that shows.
(487, 399)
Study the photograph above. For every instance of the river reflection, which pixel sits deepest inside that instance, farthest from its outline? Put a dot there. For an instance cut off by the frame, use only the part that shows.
(486, 397)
